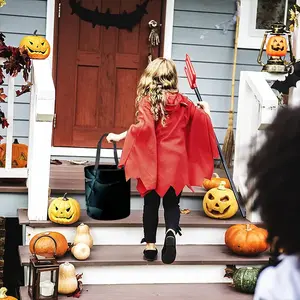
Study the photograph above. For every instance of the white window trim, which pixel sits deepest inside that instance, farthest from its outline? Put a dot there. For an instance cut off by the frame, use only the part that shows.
(168, 37)
(249, 36)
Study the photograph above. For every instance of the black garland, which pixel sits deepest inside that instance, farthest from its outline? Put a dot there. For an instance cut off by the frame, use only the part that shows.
(121, 21)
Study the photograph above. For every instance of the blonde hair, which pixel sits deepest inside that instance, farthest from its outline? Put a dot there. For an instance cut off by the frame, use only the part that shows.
(159, 77)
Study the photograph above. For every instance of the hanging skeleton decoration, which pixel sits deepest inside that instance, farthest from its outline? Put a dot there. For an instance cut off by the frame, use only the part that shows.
(153, 39)
(122, 21)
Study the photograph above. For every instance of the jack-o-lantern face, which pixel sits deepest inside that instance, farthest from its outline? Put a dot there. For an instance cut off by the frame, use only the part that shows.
(276, 46)
(37, 46)
(64, 210)
(220, 203)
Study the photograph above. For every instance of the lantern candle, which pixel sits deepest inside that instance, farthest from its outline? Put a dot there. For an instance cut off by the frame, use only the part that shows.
(46, 288)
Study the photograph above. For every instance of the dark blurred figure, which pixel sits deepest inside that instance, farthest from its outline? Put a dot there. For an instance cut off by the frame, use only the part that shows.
(274, 186)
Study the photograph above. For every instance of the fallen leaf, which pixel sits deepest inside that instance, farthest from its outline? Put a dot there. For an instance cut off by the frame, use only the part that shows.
(24, 89)
(2, 95)
(185, 211)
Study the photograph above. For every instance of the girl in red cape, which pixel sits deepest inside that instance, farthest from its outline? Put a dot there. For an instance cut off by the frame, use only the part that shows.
(171, 146)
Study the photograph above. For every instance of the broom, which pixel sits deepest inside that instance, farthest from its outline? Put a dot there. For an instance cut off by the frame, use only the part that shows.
(228, 146)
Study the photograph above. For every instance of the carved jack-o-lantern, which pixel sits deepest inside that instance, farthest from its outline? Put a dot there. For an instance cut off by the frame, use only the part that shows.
(37, 46)
(276, 46)
(64, 210)
(220, 203)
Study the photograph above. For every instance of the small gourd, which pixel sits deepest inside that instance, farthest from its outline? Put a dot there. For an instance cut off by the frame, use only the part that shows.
(81, 251)
(83, 235)
(244, 279)
(67, 280)
(3, 295)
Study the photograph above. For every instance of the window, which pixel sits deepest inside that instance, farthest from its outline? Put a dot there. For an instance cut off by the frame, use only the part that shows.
(257, 16)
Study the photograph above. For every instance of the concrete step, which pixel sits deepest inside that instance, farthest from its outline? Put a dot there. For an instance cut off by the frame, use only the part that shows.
(136, 202)
(197, 229)
(125, 265)
(152, 292)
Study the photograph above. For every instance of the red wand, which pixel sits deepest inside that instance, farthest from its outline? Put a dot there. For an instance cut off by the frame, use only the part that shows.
(191, 76)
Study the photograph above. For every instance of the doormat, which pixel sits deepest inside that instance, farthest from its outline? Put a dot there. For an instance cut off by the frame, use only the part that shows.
(124, 20)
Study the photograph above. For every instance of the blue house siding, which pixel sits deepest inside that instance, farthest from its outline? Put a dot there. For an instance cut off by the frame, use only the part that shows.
(212, 56)
(19, 18)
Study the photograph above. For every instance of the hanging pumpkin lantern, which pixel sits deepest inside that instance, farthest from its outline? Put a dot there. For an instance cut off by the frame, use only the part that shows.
(220, 203)
(246, 239)
(64, 210)
(276, 50)
(19, 155)
(244, 279)
(37, 46)
(215, 182)
(276, 46)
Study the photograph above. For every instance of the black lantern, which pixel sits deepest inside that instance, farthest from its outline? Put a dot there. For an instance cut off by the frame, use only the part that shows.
(43, 276)
(276, 50)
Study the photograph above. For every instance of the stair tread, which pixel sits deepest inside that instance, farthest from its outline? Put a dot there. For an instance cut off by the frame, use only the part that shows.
(212, 291)
(132, 255)
(193, 219)
(61, 181)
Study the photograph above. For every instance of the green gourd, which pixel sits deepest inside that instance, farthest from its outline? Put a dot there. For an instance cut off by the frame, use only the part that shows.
(244, 279)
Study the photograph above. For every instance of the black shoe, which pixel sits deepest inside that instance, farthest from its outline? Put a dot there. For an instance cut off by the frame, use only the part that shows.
(150, 254)
(168, 253)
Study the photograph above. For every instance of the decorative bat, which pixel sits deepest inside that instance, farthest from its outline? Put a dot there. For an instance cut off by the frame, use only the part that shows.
(121, 21)
(290, 80)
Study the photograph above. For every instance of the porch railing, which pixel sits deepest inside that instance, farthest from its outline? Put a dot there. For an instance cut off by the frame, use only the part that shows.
(257, 107)
(40, 136)
(8, 171)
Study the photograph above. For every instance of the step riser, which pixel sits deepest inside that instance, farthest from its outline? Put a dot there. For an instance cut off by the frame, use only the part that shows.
(150, 274)
(192, 203)
(133, 235)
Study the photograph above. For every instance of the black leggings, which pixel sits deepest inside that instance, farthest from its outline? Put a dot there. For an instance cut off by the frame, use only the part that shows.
(150, 215)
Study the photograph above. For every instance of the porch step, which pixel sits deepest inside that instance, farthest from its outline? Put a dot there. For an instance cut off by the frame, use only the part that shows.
(132, 255)
(193, 219)
(125, 265)
(68, 178)
(197, 229)
(152, 292)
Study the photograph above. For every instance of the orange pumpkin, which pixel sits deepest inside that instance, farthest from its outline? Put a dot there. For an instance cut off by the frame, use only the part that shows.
(276, 46)
(246, 239)
(3, 295)
(19, 155)
(45, 246)
(214, 182)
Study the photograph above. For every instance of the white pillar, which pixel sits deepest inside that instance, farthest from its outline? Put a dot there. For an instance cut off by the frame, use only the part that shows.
(40, 138)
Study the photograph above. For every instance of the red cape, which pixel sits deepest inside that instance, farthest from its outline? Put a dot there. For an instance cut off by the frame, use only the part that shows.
(180, 154)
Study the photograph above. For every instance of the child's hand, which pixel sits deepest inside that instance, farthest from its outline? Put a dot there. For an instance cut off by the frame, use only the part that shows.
(205, 106)
(112, 137)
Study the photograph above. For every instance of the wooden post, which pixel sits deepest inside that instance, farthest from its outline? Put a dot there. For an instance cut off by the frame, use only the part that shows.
(40, 139)
(10, 118)
(168, 34)
(257, 106)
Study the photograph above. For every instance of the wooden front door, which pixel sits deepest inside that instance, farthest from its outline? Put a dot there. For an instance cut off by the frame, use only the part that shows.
(97, 72)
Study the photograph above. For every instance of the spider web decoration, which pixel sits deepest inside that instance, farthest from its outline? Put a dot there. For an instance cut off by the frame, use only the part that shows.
(122, 21)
